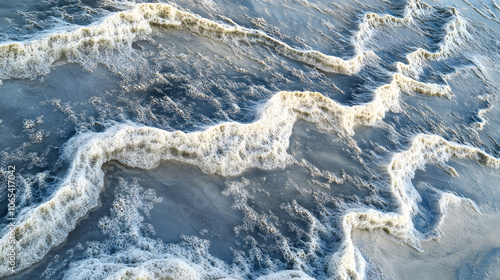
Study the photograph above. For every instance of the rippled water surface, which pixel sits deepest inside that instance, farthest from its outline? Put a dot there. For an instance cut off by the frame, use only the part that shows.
(263, 139)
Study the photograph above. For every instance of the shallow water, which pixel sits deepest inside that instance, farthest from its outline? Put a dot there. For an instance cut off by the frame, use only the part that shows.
(249, 139)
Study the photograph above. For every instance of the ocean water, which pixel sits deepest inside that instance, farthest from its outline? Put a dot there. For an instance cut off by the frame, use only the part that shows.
(249, 139)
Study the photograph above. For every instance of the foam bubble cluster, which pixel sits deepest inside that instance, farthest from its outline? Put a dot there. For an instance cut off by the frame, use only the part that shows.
(230, 148)
(226, 149)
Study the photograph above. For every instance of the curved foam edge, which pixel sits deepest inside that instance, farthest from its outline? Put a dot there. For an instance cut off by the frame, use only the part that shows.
(413, 9)
(226, 149)
(424, 149)
(116, 33)
(164, 267)
(84, 174)
(483, 120)
(455, 39)
(456, 35)
(168, 269)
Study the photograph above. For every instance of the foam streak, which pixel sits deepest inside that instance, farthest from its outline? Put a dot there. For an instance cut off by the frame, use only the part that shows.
(226, 149)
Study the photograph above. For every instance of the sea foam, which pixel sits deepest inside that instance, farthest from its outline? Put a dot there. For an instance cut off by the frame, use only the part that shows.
(116, 33)
(226, 149)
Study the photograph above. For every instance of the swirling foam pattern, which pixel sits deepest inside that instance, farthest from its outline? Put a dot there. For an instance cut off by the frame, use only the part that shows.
(386, 130)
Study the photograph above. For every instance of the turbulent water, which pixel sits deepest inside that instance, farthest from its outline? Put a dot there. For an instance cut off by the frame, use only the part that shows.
(249, 139)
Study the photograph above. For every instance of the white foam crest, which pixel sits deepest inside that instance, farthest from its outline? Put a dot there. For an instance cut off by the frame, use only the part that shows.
(371, 21)
(130, 253)
(165, 267)
(425, 149)
(226, 149)
(409, 85)
(456, 38)
(164, 264)
(483, 120)
(86, 45)
(116, 33)
(168, 268)
(455, 31)
(113, 36)
(446, 201)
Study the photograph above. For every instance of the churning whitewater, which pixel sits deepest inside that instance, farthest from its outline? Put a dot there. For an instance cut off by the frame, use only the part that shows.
(261, 139)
